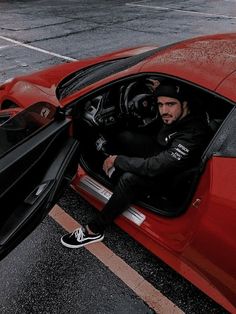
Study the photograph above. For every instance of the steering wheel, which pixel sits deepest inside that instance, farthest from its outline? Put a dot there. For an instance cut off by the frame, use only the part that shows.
(142, 108)
(93, 109)
(100, 111)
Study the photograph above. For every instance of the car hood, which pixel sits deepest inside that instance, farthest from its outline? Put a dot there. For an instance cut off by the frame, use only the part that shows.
(48, 79)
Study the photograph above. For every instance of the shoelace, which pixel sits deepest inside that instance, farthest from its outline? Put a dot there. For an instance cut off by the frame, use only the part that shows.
(79, 234)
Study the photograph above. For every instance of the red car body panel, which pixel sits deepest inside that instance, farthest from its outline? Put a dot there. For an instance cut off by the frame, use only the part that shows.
(205, 61)
(227, 87)
(42, 84)
(184, 60)
(191, 243)
(199, 244)
(50, 78)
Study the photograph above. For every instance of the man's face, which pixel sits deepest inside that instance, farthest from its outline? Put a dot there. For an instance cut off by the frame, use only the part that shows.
(171, 109)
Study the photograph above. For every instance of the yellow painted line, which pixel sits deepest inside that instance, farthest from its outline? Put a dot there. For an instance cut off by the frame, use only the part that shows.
(149, 294)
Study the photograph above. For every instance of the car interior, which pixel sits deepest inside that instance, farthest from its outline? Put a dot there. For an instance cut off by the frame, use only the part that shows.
(131, 105)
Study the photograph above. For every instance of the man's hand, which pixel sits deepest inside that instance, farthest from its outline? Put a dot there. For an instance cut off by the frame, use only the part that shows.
(109, 163)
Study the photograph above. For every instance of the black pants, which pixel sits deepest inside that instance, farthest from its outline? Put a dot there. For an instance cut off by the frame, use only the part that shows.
(129, 186)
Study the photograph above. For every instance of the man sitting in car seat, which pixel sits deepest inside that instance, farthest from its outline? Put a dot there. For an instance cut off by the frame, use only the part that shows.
(178, 145)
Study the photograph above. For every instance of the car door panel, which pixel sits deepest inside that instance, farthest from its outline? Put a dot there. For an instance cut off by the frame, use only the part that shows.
(32, 175)
(210, 251)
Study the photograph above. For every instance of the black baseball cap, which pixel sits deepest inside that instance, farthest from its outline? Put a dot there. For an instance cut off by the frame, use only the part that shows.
(170, 90)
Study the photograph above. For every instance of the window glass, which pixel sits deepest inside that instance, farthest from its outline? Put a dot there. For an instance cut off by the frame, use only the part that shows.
(224, 143)
(227, 138)
(24, 124)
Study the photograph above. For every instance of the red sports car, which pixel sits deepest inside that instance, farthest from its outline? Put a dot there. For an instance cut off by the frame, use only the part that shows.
(54, 129)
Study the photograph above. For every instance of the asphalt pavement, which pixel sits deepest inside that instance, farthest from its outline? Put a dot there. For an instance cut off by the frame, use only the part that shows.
(41, 276)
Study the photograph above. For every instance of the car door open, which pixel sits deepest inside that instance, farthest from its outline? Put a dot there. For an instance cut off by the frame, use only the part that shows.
(38, 156)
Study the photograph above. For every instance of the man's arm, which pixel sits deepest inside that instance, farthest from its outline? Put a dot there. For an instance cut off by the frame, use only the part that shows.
(182, 153)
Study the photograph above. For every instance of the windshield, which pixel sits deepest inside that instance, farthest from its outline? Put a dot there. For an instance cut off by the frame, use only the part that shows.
(24, 124)
(71, 82)
(86, 76)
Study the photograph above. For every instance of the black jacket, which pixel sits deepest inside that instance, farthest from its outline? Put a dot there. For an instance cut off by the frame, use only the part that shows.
(180, 146)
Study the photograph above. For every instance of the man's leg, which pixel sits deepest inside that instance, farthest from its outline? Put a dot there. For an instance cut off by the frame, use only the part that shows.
(127, 190)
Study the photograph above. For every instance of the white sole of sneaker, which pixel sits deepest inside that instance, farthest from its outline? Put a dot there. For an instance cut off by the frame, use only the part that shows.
(71, 246)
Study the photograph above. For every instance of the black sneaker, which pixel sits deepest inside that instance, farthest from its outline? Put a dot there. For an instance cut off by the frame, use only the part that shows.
(80, 237)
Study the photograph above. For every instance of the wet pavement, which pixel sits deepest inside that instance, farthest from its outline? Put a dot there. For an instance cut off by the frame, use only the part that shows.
(41, 276)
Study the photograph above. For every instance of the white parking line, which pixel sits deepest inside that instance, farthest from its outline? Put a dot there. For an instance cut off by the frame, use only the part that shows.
(134, 4)
(18, 43)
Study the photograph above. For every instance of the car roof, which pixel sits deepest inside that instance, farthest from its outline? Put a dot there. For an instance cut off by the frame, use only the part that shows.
(205, 60)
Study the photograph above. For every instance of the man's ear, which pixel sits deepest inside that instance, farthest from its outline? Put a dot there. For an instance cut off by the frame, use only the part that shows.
(185, 104)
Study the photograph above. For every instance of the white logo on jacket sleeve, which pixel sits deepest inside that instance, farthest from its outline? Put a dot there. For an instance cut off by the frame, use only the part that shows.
(182, 147)
(180, 152)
